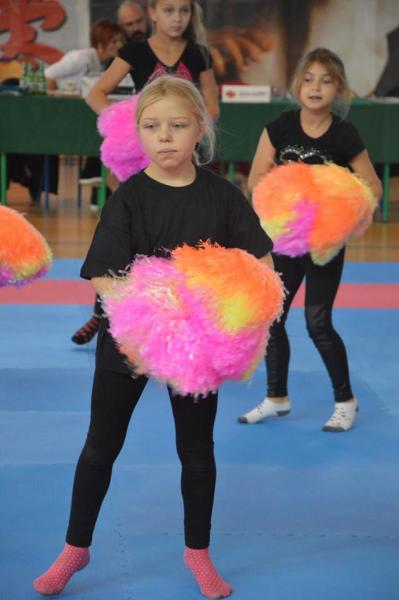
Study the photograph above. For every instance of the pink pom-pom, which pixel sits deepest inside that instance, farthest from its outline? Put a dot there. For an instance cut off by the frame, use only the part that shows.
(121, 149)
(296, 241)
(194, 321)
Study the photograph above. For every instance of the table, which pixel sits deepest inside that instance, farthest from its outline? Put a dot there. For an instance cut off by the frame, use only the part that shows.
(48, 125)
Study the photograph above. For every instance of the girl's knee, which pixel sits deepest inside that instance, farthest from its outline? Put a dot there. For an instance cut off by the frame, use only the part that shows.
(197, 457)
(318, 321)
(98, 452)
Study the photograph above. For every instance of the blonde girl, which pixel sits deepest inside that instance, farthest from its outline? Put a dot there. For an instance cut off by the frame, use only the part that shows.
(172, 202)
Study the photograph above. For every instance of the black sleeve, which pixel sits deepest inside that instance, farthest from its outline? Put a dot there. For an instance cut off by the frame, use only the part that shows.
(130, 52)
(274, 129)
(351, 141)
(244, 229)
(205, 58)
(111, 249)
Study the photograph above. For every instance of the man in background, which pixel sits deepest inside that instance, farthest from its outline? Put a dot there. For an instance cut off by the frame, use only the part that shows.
(133, 19)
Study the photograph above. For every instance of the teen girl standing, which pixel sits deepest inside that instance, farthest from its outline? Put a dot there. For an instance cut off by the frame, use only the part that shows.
(312, 134)
(177, 46)
(171, 202)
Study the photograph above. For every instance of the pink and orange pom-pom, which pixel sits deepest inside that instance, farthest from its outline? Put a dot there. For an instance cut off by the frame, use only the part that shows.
(195, 320)
(312, 208)
(24, 253)
(121, 149)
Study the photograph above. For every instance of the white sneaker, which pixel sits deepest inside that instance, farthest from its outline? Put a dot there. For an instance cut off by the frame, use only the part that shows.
(264, 410)
(343, 416)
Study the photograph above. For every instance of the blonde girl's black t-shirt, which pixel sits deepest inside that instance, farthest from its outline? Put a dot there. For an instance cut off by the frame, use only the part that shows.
(146, 217)
(339, 144)
(147, 66)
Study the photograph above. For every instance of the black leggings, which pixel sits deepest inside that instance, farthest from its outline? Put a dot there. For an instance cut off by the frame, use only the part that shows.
(321, 288)
(114, 398)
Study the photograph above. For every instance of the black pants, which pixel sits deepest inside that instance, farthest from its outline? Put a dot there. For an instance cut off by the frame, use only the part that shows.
(114, 398)
(28, 170)
(321, 288)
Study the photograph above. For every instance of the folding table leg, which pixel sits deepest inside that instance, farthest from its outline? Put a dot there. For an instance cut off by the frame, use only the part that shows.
(385, 196)
(3, 178)
(46, 180)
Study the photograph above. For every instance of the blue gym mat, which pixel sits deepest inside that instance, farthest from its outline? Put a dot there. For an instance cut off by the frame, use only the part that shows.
(300, 514)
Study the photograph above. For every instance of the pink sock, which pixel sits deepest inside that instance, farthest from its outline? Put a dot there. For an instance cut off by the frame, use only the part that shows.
(208, 579)
(54, 580)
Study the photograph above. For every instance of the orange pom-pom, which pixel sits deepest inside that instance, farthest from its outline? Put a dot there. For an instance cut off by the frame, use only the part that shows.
(24, 253)
(312, 208)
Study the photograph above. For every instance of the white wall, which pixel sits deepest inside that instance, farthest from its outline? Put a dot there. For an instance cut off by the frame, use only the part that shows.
(356, 30)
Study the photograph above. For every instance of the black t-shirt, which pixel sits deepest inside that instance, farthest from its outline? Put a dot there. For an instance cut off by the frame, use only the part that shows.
(339, 144)
(147, 66)
(146, 217)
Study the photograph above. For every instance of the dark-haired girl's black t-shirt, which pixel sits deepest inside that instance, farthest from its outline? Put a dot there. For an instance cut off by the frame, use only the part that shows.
(146, 217)
(146, 65)
(339, 144)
